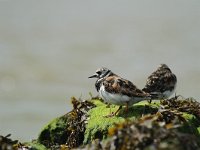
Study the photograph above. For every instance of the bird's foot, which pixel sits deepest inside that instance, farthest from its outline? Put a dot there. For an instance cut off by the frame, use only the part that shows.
(149, 101)
(110, 115)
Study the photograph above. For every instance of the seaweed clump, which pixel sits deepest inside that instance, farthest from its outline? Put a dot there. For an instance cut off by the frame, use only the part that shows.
(189, 105)
(7, 143)
(67, 130)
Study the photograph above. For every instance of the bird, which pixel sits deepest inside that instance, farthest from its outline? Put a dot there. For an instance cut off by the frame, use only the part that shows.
(161, 84)
(116, 90)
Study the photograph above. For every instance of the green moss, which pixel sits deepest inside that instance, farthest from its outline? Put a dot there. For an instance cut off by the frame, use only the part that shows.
(192, 120)
(167, 128)
(35, 146)
(191, 125)
(98, 124)
(198, 130)
(54, 132)
(88, 121)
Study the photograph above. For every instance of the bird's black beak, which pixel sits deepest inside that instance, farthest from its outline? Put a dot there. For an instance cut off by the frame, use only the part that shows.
(94, 76)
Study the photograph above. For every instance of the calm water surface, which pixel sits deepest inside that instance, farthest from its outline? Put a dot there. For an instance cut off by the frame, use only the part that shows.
(47, 51)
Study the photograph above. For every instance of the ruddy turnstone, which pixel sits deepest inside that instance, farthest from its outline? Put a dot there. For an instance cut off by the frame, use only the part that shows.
(161, 83)
(115, 90)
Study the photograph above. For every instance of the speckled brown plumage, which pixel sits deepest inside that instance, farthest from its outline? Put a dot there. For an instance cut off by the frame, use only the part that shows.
(161, 81)
(115, 84)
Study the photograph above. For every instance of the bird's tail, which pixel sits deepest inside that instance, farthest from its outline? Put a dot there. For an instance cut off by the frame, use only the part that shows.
(155, 95)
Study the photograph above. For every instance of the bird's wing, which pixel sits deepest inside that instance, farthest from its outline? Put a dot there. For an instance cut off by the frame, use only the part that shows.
(160, 82)
(115, 84)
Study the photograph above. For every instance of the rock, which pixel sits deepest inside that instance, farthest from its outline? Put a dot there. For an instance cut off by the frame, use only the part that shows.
(98, 125)
(68, 129)
(149, 132)
(172, 124)
(174, 118)
(164, 124)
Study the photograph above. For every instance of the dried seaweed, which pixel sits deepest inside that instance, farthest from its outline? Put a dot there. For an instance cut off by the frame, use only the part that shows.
(7, 143)
(68, 130)
(189, 105)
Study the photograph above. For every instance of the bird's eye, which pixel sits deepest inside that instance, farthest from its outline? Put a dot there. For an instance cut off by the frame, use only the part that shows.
(98, 72)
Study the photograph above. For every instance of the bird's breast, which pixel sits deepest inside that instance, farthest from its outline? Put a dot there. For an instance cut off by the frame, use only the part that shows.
(116, 98)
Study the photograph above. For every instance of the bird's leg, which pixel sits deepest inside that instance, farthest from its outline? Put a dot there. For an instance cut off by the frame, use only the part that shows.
(149, 101)
(126, 107)
(176, 96)
(113, 113)
(120, 107)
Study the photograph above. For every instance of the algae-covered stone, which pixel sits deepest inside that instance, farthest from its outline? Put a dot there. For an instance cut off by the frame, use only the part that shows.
(33, 146)
(149, 132)
(166, 121)
(55, 132)
(171, 124)
(164, 124)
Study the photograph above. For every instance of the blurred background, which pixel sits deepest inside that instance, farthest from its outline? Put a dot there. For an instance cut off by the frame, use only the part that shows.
(49, 48)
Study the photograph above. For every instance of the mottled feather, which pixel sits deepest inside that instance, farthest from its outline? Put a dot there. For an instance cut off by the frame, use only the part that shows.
(116, 84)
(161, 80)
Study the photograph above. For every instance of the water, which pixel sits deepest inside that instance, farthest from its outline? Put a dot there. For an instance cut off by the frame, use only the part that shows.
(48, 49)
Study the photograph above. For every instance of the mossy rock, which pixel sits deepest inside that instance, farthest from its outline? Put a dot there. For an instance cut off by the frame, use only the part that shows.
(87, 122)
(54, 132)
(163, 124)
(34, 146)
(68, 129)
(81, 125)
(98, 124)
(145, 126)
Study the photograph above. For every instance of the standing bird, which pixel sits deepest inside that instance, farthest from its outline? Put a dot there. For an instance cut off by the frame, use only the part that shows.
(161, 83)
(115, 90)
